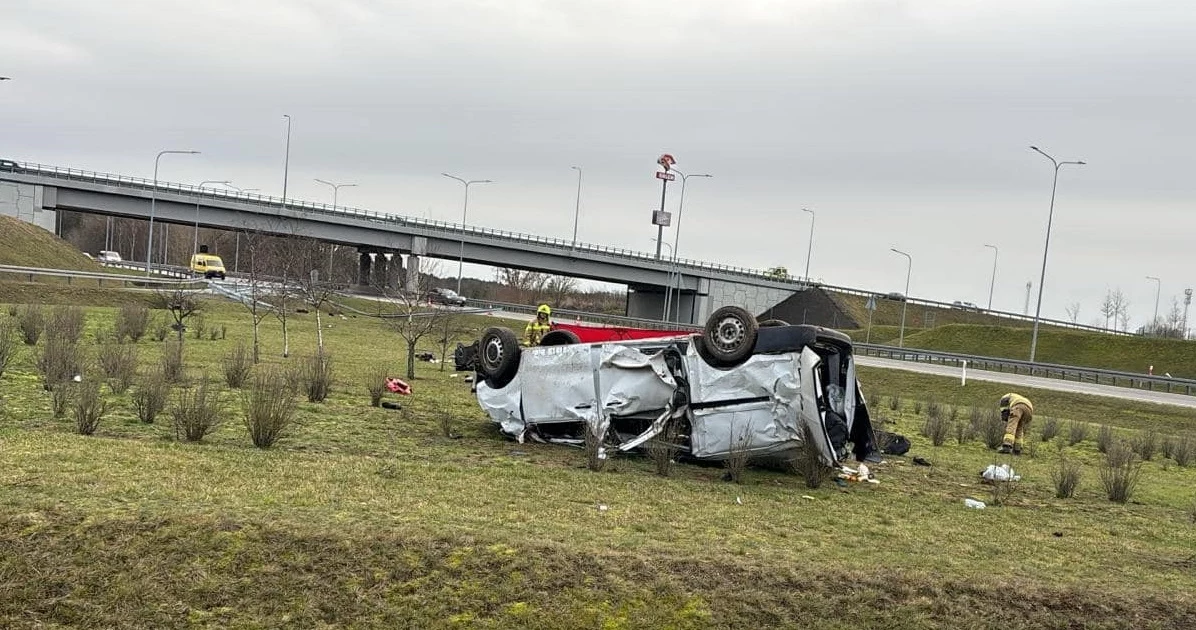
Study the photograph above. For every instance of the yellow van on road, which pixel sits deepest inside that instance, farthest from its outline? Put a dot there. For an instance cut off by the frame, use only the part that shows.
(207, 265)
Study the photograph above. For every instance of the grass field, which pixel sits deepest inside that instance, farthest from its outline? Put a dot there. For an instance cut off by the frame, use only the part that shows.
(362, 516)
(27, 245)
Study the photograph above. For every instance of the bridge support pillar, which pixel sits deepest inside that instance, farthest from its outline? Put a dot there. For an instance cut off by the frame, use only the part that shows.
(413, 279)
(394, 271)
(363, 269)
(381, 274)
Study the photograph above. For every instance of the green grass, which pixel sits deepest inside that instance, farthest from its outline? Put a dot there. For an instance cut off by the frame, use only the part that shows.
(371, 517)
(1129, 354)
(26, 245)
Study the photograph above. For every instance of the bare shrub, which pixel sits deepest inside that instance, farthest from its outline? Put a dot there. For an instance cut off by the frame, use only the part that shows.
(13, 309)
(1145, 444)
(8, 344)
(917, 407)
(738, 453)
(1050, 429)
(67, 322)
(119, 365)
(89, 407)
(444, 420)
(315, 373)
(375, 383)
(663, 448)
(58, 361)
(1077, 432)
(894, 403)
(992, 429)
(595, 450)
(215, 334)
(269, 406)
(963, 432)
(808, 461)
(172, 361)
(1184, 451)
(195, 412)
(934, 408)
(1119, 472)
(1104, 438)
(1167, 447)
(1000, 491)
(131, 322)
(1066, 477)
(150, 396)
(236, 365)
(60, 398)
(161, 330)
(31, 321)
(936, 428)
(199, 326)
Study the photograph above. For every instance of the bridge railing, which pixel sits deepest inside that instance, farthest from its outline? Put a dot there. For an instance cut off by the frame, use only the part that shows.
(456, 230)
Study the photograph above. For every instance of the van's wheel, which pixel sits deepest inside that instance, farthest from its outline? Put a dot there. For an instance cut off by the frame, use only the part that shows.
(559, 338)
(771, 323)
(729, 337)
(498, 356)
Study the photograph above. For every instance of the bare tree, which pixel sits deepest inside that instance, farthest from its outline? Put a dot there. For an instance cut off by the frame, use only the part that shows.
(408, 317)
(180, 302)
(1073, 312)
(1108, 308)
(525, 286)
(561, 287)
(450, 328)
(1122, 306)
(255, 289)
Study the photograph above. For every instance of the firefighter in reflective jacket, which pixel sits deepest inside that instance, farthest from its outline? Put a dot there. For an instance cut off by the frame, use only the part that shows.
(538, 327)
(1016, 411)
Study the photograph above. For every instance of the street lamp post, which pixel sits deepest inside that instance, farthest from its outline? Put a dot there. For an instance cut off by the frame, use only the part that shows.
(335, 189)
(1046, 247)
(286, 166)
(810, 246)
(664, 317)
(1154, 323)
(992, 283)
(676, 246)
(149, 246)
(195, 239)
(464, 215)
(905, 297)
(577, 206)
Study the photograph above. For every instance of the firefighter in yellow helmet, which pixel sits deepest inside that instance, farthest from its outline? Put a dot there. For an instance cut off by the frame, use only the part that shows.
(1016, 411)
(538, 327)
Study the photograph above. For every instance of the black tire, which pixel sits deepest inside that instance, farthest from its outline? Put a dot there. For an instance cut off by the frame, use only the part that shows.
(498, 356)
(769, 323)
(559, 338)
(729, 338)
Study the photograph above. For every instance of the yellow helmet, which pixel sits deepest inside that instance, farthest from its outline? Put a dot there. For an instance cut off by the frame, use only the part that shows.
(544, 309)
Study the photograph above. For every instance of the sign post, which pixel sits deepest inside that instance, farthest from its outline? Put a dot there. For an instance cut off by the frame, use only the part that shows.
(871, 306)
(661, 218)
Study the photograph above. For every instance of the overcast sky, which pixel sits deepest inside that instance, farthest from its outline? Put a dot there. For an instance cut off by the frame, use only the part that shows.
(902, 124)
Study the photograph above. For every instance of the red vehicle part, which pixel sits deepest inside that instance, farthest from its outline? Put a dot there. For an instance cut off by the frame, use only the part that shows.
(593, 334)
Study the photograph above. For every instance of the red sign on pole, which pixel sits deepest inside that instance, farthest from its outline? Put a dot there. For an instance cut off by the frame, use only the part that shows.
(663, 175)
(666, 161)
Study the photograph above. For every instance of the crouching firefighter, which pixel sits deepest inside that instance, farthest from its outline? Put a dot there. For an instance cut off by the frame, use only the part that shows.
(1016, 411)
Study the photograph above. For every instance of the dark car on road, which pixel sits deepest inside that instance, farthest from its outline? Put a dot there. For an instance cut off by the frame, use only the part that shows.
(447, 297)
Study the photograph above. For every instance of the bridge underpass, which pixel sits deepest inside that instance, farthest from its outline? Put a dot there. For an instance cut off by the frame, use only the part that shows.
(703, 287)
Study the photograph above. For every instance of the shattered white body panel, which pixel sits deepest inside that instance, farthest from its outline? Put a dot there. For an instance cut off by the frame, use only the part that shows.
(765, 401)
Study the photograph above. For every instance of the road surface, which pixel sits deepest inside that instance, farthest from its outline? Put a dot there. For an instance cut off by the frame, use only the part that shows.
(1022, 380)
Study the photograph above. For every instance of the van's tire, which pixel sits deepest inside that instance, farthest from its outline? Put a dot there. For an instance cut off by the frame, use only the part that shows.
(559, 338)
(769, 323)
(498, 356)
(729, 337)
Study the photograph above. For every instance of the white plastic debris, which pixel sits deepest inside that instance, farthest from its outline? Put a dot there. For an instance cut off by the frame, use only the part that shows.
(806, 496)
(602, 508)
(973, 503)
(1000, 473)
(738, 501)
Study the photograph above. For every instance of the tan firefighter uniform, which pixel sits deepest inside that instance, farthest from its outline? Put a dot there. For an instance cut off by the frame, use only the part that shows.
(538, 327)
(1017, 411)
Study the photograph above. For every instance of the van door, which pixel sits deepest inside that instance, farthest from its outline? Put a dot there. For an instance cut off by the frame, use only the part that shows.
(813, 405)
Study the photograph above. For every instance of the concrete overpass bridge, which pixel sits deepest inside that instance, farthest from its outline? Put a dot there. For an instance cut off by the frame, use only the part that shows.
(35, 193)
